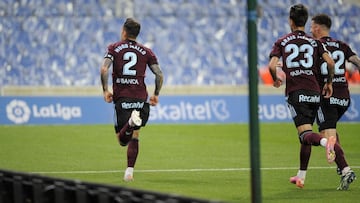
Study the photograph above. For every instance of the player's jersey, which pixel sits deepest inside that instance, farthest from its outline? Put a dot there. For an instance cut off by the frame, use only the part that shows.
(300, 54)
(340, 52)
(130, 60)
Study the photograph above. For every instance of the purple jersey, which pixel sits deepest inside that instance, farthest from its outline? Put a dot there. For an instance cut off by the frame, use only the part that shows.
(340, 52)
(300, 54)
(130, 60)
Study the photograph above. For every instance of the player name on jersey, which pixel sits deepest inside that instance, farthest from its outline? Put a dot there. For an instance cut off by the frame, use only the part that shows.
(333, 44)
(293, 37)
(131, 46)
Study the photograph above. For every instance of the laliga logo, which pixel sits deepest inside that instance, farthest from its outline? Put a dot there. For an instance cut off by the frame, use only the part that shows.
(18, 111)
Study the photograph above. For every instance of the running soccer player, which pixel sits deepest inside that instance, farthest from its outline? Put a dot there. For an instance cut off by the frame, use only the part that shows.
(333, 108)
(300, 55)
(129, 60)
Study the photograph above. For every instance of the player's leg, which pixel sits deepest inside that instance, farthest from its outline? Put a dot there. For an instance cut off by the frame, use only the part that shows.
(303, 116)
(301, 122)
(326, 117)
(347, 174)
(133, 146)
(122, 128)
(337, 138)
(340, 111)
(299, 179)
(338, 170)
(329, 116)
(126, 119)
(339, 158)
(130, 137)
(126, 132)
(132, 154)
(307, 138)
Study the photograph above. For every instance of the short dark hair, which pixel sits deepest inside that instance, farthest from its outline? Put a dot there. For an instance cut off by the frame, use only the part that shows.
(322, 19)
(299, 14)
(132, 27)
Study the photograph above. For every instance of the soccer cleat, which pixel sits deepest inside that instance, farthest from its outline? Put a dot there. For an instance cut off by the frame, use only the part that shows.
(299, 182)
(330, 152)
(128, 176)
(346, 180)
(135, 119)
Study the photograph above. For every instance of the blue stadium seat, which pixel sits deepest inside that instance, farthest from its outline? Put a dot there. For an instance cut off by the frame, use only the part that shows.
(198, 42)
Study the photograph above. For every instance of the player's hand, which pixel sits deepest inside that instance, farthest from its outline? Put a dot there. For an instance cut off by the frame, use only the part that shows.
(154, 100)
(278, 82)
(280, 76)
(108, 97)
(327, 90)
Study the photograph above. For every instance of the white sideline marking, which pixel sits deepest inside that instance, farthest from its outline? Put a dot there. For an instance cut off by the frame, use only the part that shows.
(182, 170)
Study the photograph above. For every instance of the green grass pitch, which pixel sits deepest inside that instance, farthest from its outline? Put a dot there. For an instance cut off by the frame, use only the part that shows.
(203, 161)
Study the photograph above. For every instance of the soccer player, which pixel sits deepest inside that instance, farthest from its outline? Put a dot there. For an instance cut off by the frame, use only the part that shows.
(129, 60)
(300, 55)
(331, 109)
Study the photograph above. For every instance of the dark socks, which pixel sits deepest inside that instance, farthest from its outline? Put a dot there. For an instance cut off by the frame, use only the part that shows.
(125, 134)
(305, 152)
(311, 138)
(340, 157)
(132, 152)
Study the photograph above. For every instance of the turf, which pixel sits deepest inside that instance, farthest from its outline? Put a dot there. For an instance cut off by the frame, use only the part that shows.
(202, 161)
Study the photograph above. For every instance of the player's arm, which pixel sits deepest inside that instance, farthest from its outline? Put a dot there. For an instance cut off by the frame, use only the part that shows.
(272, 68)
(104, 76)
(328, 89)
(330, 66)
(159, 77)
(355, 60)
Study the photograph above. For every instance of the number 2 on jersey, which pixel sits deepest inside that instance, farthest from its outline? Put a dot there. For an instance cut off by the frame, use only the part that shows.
(131, 57)
(339, 58)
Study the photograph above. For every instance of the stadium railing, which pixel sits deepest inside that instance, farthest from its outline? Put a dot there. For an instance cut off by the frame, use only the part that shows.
(17, 187)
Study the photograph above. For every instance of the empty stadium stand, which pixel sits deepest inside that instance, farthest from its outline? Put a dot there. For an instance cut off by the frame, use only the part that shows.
(203, 42)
